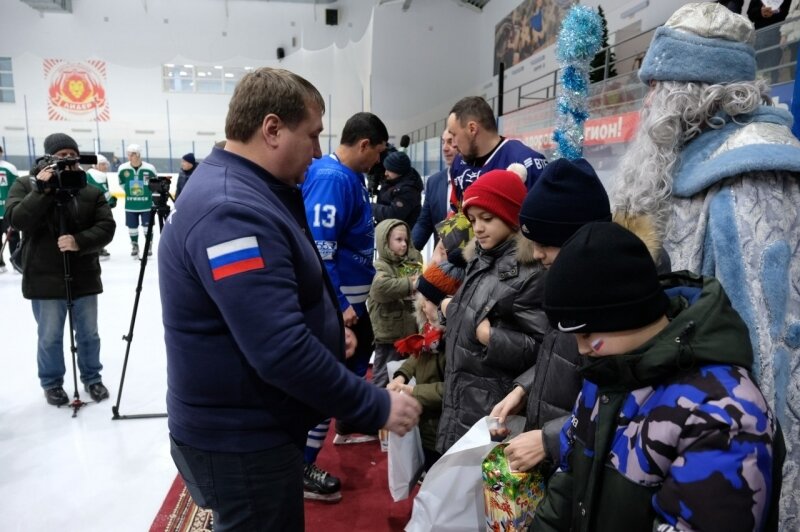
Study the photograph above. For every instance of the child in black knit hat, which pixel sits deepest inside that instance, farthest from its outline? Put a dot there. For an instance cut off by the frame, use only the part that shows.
(669, 431)
(567, 195)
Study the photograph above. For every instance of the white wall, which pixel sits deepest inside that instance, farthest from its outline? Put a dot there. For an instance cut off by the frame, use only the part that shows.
(136, 41)
(446, 52)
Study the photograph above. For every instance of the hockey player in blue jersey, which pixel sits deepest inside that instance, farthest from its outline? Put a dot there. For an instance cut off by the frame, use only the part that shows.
(481, 148)
(340, 218)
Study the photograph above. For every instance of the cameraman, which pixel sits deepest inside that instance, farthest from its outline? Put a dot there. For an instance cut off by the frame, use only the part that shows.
(32, 208)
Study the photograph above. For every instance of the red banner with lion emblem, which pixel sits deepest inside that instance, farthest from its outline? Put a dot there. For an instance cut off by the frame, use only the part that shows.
(76, 90)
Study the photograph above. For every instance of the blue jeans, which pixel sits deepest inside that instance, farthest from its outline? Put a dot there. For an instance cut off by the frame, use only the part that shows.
(258, 491)
(50, 316)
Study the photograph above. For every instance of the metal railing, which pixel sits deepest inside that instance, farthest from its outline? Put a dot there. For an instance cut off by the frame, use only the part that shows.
(776, 62)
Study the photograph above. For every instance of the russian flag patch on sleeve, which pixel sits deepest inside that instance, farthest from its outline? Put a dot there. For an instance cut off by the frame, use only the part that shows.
(235, 256)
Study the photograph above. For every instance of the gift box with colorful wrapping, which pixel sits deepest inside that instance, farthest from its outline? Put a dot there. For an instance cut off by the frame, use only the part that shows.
(511, 497)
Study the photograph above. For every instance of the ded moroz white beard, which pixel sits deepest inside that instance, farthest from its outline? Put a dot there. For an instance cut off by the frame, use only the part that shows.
(673, 114)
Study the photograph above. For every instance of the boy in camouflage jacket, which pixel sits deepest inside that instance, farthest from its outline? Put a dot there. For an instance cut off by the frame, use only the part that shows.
(669, 432)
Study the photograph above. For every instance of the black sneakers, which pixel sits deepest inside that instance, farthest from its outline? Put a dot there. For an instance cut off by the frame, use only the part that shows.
(97, 391)
(56, 396)
(320, 485)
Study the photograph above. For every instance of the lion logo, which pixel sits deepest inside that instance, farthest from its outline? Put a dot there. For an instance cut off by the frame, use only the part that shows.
(76, 88)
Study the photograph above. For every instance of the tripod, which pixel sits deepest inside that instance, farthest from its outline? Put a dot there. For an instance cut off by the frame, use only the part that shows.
(61, 201)
(3, 244)
(13, 248)
(161, 210)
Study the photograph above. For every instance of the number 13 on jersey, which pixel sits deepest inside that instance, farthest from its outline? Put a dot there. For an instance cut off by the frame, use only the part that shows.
(324, 215)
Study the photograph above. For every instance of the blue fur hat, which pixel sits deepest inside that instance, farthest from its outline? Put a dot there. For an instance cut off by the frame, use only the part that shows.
(706, 43)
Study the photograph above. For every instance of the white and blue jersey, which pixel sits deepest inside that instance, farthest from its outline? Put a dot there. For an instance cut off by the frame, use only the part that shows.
(340, 218)
(510, 151)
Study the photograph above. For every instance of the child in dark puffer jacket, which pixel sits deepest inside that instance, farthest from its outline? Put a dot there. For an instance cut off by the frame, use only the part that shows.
(567, 195)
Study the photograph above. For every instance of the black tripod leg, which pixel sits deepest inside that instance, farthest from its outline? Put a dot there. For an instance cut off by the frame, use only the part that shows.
(129, 337)
(76, 403)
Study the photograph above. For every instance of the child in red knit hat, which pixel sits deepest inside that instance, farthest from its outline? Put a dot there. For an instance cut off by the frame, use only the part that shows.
(495, 322)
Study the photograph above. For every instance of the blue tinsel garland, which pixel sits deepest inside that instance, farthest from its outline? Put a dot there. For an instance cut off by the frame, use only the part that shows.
(579, 40)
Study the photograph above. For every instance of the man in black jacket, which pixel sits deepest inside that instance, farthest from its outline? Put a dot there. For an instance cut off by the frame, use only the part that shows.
(188, 164)
(35, 208)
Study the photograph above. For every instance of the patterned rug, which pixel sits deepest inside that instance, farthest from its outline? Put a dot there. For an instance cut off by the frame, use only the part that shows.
(179, 513)
(365, 505)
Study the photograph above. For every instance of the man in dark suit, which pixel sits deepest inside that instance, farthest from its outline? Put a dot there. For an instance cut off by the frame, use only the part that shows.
(434, 208)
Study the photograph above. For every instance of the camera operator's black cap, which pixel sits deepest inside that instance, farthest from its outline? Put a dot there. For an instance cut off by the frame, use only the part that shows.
(59, 141)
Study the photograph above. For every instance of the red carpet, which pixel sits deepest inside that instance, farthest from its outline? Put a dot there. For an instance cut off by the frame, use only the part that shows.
(365, 506)
(179, 513)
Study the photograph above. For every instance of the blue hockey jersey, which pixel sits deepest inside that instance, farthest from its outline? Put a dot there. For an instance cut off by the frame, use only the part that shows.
(340, 217)
(510, 151)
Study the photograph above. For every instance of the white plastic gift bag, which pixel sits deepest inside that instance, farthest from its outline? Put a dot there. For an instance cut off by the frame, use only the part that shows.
(406, 462)
(451, 497)
(406, 458)
(383, 435)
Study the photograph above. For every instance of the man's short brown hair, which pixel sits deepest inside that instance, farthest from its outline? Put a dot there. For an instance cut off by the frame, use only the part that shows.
(269, 91)
(477, 109)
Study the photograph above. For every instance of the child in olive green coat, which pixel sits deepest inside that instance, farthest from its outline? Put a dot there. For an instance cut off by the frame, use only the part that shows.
(390, 303)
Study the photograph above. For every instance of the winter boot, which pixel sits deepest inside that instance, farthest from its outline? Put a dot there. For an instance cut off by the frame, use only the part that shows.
(56, 396)
(319, 485)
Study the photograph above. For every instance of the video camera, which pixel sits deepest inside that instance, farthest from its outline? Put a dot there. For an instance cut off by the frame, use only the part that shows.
(65, 179)
(159, 188)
